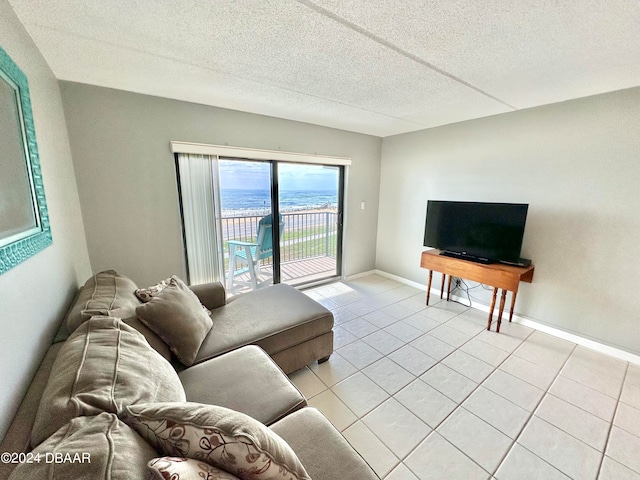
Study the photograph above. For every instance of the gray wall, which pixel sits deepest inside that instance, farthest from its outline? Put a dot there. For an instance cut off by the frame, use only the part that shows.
(35, 293)
(127, 183)
(576, 163)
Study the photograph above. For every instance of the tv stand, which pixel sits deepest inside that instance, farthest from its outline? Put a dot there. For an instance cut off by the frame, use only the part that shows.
(499, 276)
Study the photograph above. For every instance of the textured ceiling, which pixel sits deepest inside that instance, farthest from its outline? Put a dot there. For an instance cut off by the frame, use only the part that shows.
(380, 67)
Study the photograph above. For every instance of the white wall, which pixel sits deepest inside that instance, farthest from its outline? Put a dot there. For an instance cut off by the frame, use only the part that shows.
(34, 294)
(127, 182)
(576, 163)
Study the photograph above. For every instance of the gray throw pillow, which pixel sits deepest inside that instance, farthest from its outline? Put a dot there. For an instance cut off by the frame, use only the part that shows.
(176, 315)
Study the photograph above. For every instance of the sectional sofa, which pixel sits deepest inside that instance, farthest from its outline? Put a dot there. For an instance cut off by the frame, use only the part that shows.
(172, 380)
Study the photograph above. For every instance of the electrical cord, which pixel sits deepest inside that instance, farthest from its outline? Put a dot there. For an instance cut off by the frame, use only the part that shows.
(461, 285)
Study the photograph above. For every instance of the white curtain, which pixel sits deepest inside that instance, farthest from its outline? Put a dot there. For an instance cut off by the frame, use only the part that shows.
(200, 210)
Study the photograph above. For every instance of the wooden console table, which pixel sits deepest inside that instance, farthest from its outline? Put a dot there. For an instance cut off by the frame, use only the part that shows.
(497, 275)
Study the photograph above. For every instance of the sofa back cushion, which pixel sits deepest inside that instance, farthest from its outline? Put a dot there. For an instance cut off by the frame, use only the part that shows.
(226, 439)
(106, 293)
(103, 366)
(100, 447)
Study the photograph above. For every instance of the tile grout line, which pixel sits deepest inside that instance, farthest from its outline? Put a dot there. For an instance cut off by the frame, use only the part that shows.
(471, 393)
(459, 404)
(330, 389)
(359, 419)
(472, 337)
(401, 460)
(532, 414)
(613, 419)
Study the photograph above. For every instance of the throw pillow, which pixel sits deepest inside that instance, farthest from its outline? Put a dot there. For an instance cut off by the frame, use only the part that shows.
(102, 367)
(221, 437)
(146, 294)
(89, 447)
(176, 315)
(178, 468)
(154, 340)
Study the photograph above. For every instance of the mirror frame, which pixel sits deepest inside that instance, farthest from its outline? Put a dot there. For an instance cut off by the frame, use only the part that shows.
(20, 246)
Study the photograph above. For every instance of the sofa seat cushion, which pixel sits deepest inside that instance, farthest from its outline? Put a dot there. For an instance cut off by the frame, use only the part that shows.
(102, 367)
(245, 380)
(106, 293)
(100, 447)
(275, 318)
(321, 448)
(180, 468)
(229, 440)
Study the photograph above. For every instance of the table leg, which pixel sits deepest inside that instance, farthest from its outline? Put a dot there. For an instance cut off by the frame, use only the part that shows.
(429, 285)
(513, 304)
(493, 304)
(444, 278)
(449, 288)
(502, 299)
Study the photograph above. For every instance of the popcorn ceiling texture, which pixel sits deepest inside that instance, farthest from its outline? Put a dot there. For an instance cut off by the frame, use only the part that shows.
(386, 69)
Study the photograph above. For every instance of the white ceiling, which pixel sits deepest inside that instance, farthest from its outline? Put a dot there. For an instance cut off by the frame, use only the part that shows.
(380, 67)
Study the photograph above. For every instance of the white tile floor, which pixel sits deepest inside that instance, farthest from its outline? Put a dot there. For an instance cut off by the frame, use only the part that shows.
(427, 393)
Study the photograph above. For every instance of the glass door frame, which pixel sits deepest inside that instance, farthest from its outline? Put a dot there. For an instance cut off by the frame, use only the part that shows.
(211, 237)
(275, 211)
(275, 229)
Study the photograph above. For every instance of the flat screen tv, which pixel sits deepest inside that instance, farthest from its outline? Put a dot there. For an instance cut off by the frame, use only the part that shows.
(477, 231)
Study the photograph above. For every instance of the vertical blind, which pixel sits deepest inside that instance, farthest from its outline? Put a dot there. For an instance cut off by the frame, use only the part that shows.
(200, 199)
(201, 213)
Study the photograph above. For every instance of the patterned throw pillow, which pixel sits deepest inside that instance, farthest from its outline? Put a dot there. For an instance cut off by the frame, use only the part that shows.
(146, 294)
(221, 437)
(178, 468)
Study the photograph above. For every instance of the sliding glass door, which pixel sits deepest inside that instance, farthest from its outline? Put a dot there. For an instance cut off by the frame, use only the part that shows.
(280, 222)
(309, 200)
(245, 223)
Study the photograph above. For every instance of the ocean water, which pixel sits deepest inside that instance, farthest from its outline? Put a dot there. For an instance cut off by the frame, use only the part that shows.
(241, 202)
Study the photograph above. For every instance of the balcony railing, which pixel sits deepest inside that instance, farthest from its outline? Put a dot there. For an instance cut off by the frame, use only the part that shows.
(305, 235)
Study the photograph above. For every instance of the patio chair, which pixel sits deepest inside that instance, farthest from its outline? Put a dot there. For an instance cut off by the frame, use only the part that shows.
(252, 254)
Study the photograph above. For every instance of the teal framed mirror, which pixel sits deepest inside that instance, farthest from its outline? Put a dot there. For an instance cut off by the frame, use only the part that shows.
(24, 220)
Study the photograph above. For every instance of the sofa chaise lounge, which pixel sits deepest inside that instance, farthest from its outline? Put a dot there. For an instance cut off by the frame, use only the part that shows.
(105, 363)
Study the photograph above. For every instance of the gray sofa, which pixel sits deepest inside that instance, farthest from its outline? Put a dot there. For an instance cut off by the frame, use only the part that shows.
(239, 365)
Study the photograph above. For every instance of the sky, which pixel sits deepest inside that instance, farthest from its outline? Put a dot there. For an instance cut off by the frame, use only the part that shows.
(248, 175)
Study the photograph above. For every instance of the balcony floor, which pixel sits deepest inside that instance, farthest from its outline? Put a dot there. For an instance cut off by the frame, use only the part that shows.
(293, 273)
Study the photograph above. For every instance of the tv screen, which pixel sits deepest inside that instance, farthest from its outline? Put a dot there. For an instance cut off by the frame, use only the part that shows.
(486, 232)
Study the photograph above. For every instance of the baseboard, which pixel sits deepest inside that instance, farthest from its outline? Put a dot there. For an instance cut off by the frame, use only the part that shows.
(360, 275)
(528, 322)
(411, 283)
